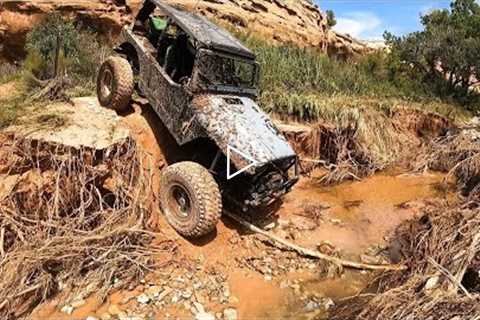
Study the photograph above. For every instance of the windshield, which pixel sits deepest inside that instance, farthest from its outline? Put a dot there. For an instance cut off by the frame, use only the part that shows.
(222, 70)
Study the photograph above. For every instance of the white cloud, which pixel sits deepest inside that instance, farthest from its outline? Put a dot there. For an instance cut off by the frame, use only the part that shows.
(361, 24)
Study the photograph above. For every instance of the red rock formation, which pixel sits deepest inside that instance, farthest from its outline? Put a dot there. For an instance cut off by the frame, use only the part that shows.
(298, 22)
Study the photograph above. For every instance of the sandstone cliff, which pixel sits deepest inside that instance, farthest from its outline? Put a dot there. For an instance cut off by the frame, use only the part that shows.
(281, 21)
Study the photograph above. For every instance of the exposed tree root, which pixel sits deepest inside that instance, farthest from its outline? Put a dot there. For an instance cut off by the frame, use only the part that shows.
(72, 222)
(439, 250)
(361, 143)
(458, 154)
(52, 90)
(335, 149)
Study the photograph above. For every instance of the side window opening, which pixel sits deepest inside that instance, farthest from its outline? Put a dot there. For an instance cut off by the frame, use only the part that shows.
(176, 53)
(174, 48)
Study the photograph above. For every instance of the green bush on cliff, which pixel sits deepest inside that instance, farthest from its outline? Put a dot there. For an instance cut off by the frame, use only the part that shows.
(80, 51)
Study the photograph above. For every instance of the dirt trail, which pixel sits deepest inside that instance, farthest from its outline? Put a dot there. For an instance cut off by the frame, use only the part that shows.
(232, 271)
(294, 294)
(250, 276)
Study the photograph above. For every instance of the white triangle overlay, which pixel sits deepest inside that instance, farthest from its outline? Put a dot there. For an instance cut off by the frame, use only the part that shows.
(249, 158)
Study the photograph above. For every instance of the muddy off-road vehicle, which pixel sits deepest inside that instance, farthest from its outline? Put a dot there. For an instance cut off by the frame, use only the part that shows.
(202, 83)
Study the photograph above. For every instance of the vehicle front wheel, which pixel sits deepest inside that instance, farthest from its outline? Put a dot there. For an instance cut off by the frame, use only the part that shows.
(115, 83)
(190, 199)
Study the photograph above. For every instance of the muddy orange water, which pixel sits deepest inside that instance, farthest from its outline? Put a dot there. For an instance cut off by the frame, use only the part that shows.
(359, 214)
(353, 217)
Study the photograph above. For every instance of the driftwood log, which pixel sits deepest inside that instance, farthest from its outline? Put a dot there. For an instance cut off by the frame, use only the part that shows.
(313, 253)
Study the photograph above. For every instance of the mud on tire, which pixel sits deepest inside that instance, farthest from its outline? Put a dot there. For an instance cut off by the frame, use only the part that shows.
(190, 199)
(115, 83)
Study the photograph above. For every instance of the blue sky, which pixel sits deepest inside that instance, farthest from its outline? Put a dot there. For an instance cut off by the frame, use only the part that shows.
(368, 19)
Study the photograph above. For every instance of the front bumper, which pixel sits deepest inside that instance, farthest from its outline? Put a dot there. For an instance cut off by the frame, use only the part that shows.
(272, 183)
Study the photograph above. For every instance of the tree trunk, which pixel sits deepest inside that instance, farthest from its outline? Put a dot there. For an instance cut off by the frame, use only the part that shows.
(57, 57)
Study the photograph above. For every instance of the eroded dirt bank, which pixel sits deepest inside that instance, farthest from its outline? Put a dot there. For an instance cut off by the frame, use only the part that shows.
(129, 264)
(234, 274)
(233, 269)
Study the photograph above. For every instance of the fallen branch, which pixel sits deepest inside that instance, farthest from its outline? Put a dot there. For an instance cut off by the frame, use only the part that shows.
(450, 277)
(471, 255)
(312, 253)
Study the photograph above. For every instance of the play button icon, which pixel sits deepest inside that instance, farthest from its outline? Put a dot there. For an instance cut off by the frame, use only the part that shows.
(230, 151)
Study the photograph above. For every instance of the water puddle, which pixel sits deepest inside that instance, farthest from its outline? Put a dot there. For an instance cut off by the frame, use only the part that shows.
(352, 217)
(355, 215)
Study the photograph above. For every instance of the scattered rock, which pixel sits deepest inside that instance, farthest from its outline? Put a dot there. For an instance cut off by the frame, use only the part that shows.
(187, 294)
(175, 298)
(336, 221)
(226, 292)
(311, 306)
(153, 292)
(77, 303)
(114, 310)
(67, 309)
(143, 298)
(106, 316)
(204, 316)
(328, 303)
(164, 293)
(230, 314)
(432, 283)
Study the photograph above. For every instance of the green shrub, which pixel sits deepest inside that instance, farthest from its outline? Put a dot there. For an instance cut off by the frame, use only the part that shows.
(52, 34)
(302, 83)
(445, 54)
(305, 71)
(81, 53)
(36, 65)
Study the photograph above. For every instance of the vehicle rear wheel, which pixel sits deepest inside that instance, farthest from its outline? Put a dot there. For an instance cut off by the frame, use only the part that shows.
(190, 199)
(115, 83)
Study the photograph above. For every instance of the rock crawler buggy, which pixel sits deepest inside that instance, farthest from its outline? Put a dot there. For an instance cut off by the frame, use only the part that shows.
(202, 83)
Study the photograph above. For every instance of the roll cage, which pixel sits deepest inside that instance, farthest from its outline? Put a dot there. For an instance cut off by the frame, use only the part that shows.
(200, 54)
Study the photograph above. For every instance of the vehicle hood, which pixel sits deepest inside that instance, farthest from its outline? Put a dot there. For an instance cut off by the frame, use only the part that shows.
(238, 122)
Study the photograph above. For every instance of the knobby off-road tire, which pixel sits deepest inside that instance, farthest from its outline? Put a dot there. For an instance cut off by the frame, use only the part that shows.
(115, 83)
(190, 199)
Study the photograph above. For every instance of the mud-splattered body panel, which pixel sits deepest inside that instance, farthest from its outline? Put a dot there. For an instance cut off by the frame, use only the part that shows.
(228, 120)
(238, 122)
(169, 100)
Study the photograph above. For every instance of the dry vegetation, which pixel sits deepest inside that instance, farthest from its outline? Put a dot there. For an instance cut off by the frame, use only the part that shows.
(70, 220)
(442, 281)
(459, 154)
(56, 196)
(364, 140)
(441, 249)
